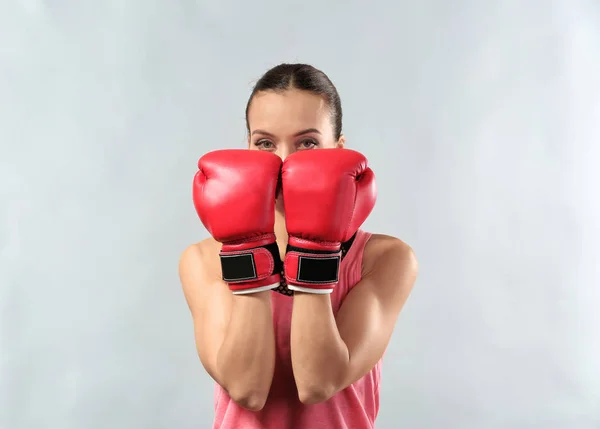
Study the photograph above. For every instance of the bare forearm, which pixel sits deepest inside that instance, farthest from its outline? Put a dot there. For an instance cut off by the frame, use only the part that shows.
(246, 358)
(319, 355)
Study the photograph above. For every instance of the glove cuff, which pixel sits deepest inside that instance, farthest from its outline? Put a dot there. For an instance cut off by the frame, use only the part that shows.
(241, 288)
(312, 290)
(251, 265)
(312, 266)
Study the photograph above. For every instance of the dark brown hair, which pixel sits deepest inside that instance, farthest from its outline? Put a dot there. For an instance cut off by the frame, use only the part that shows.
(303, 77)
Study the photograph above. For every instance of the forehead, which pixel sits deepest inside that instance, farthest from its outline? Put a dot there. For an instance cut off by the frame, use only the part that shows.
(288, 109)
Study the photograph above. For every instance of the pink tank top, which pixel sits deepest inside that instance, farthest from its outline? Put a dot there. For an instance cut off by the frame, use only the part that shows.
(355, 407)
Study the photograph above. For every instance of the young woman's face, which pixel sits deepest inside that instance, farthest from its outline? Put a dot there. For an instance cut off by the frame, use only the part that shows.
(284, 122)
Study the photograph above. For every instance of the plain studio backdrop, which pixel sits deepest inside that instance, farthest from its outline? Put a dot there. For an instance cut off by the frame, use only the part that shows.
(481, 120)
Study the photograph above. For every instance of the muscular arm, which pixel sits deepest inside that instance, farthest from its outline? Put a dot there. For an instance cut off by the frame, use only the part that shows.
(234, 333)
(330, 353)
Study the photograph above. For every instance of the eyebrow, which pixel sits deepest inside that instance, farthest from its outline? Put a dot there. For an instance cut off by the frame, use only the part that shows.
(306, 131)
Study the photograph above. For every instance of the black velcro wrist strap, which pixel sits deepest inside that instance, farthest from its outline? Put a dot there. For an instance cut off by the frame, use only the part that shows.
(238, 267)
(318, 270)
(242, 266)
(317, 266)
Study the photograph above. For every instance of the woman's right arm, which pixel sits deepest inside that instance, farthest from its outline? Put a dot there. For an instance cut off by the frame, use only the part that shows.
(234, 333)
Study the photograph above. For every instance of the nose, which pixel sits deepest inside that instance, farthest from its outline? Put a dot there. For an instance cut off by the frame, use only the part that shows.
(283, 151)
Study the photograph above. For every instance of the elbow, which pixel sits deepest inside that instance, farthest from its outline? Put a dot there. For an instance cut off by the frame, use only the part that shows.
(250, 400)
(315, 395)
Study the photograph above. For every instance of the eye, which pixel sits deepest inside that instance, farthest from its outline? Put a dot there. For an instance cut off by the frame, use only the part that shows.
(264, 144)
(308, 144)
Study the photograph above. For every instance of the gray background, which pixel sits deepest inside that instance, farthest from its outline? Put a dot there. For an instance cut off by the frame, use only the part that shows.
(480, 118)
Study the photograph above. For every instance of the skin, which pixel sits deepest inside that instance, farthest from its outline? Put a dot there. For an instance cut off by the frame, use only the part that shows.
(329, 351)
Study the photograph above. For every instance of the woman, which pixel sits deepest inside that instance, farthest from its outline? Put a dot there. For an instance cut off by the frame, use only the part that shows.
(284, 358)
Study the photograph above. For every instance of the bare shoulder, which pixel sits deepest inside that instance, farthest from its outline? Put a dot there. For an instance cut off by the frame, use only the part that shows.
(199, 254)
(199, 265)
(387, 255)
(201, 250)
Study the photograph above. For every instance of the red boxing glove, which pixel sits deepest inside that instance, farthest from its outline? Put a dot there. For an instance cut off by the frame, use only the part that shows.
(327, 195)
(234, 194)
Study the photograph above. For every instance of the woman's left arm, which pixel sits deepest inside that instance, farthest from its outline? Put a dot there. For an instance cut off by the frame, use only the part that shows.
(331, 352)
